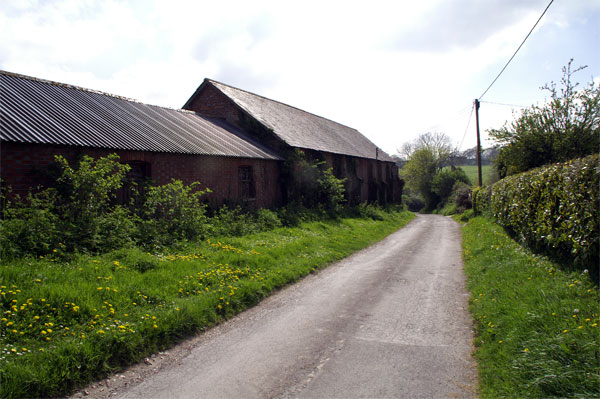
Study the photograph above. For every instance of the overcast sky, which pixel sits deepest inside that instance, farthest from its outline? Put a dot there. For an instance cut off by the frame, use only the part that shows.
(391, 69)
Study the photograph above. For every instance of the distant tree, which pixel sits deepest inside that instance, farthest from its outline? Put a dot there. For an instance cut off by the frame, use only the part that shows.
(444, 181)
(430, 151)
(565, 128)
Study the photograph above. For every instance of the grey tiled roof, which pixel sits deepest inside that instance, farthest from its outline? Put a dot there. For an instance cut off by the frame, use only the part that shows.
(39, 111)
(302, 129)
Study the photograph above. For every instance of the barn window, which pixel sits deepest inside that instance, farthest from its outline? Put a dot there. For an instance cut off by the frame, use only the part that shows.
(247, 189)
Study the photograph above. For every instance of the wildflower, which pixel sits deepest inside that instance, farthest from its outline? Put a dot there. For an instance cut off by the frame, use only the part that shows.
(526, 350)
(75, 308)
(155, 326)
(565, 331)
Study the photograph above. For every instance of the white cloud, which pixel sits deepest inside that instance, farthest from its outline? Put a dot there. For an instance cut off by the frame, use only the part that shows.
(392, 69)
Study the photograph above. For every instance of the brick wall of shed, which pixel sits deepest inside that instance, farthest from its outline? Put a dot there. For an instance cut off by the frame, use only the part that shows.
(22, 167)
(211, 102)
(366, 179)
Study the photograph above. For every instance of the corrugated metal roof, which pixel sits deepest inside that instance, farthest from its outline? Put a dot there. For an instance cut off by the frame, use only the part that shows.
(39, 111)
(302, 129)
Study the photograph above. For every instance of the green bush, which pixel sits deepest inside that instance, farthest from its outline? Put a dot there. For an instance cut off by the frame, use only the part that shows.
(552, 208)
(313, 184)
(366, 210)
(462, 196)
(85, 199)
(443, 182)
(30, 226)
(173, 212)
(566, 127)
(481, 200)
(413, 203)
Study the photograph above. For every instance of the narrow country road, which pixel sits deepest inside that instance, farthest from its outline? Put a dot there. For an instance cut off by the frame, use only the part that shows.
(389, 321)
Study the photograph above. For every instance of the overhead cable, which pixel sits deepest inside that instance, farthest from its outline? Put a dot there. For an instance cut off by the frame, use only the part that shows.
(521, 45)
(467, 128)
(507, 105)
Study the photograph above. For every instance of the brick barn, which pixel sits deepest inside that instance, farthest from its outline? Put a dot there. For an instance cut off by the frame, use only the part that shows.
(40, 119)
(371, 174)
(232, 141)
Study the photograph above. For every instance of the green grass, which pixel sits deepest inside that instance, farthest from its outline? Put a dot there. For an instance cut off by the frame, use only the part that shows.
(487, 173)
(537, 333)
(67, 320)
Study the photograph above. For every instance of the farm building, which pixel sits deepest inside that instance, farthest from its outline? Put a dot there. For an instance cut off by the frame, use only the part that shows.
(40, 119)
(232, 141)
(370, 173)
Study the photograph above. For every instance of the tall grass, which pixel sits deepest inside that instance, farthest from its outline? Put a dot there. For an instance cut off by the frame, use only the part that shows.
(69, 319)
(537, 326)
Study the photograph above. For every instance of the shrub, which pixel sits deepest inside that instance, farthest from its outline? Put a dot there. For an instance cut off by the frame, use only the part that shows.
(567, 127)
(267, 219)
(84, 199)
(30, 227)
(443, 182)
(313, 184)
(462, 196)
(173, 212)
(481, 199)
(366, 210)
(413, 203)
(553, 209)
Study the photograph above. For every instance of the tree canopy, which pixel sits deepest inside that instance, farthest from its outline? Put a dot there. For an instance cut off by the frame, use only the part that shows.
(567, 127)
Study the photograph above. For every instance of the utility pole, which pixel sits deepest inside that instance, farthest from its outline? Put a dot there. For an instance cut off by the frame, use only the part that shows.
(478, 142)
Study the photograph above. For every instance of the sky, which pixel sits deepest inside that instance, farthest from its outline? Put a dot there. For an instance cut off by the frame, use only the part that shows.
(391, 69)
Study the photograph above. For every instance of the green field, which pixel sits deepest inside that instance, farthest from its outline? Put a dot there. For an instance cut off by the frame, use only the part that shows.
(487, 173)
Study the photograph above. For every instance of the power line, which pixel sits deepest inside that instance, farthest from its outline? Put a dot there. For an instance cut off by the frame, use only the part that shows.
(467, 128)
(521, 45)
(508, 105)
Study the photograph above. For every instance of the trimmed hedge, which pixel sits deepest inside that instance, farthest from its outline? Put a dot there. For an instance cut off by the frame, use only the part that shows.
(553, 209)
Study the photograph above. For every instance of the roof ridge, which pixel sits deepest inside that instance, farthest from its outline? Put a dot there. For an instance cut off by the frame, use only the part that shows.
(282, 103)
(87, 90)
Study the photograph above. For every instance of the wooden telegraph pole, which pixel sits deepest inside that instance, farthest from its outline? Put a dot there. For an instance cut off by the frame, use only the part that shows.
(478, 142)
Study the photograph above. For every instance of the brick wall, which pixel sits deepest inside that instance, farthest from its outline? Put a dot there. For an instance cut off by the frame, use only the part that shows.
(23, 166)
(367, 179)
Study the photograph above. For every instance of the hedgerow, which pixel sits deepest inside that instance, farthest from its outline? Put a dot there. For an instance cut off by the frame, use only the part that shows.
(553, 209)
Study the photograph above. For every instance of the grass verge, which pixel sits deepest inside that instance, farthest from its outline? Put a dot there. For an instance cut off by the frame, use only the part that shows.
(69, 320)
(537, 328)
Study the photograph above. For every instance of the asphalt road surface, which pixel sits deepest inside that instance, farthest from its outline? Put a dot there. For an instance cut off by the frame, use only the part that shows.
(389, 321)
